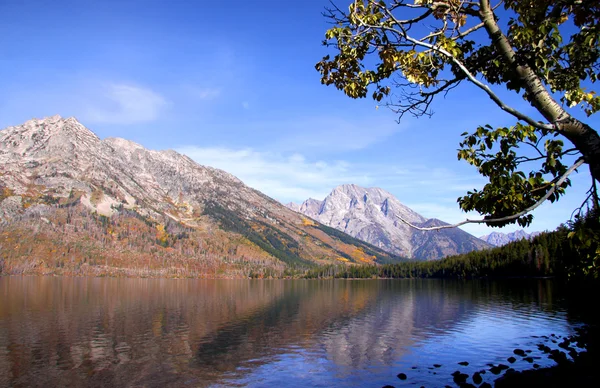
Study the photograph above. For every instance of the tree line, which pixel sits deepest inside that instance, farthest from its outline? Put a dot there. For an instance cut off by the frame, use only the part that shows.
(568, 253)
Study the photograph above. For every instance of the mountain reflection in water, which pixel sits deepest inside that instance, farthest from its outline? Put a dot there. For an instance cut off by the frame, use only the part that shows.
(161, 332)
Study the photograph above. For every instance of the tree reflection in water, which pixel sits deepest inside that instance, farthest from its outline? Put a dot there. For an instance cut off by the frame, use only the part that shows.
(143, 332)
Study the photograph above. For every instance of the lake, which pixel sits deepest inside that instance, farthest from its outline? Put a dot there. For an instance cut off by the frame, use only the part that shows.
(99, 332)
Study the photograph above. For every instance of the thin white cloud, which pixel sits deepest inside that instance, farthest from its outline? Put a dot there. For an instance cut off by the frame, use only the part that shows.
(432, 192)
(204, 93)
(283, 177)
(125, 104)
(92, 100)
(293, 177)
(331, 134)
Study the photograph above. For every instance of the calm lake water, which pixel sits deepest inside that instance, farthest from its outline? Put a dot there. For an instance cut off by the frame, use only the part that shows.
(172, 333)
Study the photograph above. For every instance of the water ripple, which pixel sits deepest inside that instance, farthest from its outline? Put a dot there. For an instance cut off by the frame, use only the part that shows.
(140, 332)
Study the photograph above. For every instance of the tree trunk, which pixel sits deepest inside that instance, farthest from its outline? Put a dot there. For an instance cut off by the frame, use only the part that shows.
(583, 137)
(586, 140)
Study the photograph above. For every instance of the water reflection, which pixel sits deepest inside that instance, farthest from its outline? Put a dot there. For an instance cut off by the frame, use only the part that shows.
(141, 332)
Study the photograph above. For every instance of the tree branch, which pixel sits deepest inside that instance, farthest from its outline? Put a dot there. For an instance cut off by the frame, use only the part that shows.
(507, 218)
(536, 93)
(461, 35)
(417, 103)
(521, 159)
(493, 96)
(594, 190)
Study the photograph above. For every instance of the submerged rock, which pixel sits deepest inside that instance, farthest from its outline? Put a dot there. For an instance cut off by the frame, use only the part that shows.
(498, 369)
(495, 370)
(459, 377)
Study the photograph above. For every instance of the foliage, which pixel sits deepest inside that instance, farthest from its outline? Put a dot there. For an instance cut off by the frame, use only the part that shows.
(585, 243)
(276, 243)
(5, 192)
(547, 51)
(509, 188)
(74, 241)
(547, 254)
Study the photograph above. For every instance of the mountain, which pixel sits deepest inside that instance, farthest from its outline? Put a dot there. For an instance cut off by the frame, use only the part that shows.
(498, 239)
(372, 215)
(75, 204)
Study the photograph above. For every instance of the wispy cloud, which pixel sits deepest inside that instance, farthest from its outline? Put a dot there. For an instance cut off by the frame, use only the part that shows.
(329, 134)
(284, 177)
(294, 177)
(91, 100)
(125, 104)
(431, 192)
(204, 93)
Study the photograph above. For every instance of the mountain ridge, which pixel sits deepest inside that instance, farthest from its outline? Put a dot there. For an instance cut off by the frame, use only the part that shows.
(373, 215)
(115, 197)
(498, 238)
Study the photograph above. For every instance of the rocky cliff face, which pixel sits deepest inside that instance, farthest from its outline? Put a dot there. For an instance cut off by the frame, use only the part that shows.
(498, 238)
(372, 215)
(54, 172)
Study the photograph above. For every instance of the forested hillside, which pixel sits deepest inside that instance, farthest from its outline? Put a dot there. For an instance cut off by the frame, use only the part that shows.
(567, 253)
(73, 204)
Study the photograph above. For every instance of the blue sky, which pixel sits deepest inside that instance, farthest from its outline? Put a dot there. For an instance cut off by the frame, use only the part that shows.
(232, 84)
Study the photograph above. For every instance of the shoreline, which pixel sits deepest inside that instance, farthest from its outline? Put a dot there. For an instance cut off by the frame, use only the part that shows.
(582, 371)
(579, 371)
(126, 273)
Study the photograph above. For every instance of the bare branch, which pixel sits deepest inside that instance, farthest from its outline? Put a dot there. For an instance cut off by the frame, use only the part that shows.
(535, 147)
(521, 159)
(461, 35)
(418, 102)
(403, 34)
(416, 19)
(592, 194)
(493, 96)
(507, 218)
(594, 191)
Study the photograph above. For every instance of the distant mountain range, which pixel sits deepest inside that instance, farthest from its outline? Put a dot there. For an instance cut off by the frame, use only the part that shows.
(71, 203)
(498, 239)
(372, 215)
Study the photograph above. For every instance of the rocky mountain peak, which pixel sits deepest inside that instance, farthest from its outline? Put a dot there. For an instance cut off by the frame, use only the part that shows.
(361, 194)
(372, 200)
(499, 238)
(294, 206)
(48, 136)
(57, 178)
(311, 207)
(123, 144)
(372, 214)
